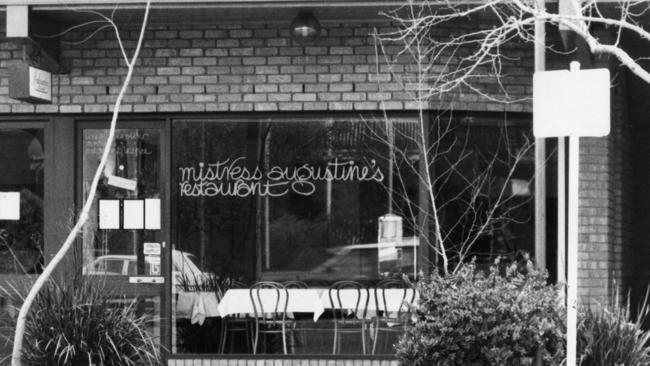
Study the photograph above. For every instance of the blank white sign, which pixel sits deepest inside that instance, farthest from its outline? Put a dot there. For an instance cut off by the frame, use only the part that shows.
(571, 103)
(133, 214)
(152, 214)
(109, 214)
(10, 206)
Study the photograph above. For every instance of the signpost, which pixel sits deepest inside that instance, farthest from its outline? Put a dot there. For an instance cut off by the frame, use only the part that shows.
(572, 103)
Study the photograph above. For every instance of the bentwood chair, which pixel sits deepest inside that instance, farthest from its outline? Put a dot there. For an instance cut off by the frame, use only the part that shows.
(295, 284)
(240, 323)
(299, 337)
(349, 302)
(270, 301)
(391, 318)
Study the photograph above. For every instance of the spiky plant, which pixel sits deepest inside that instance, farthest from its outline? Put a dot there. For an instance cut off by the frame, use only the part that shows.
(610, 336)
(81, 322)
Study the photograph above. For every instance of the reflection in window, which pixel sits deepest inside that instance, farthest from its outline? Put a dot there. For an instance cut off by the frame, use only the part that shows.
(132, 173)
(477, 168)
(311, 203)
(22, 163)
(284, 201)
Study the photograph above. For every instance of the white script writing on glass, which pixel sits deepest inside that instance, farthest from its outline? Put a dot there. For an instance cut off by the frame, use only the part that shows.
(231, 177)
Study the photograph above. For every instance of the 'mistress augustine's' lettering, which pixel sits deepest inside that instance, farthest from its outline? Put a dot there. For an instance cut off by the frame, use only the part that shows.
(233, 178)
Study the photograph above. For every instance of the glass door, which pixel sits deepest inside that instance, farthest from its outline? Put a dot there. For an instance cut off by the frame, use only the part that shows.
(125, 239)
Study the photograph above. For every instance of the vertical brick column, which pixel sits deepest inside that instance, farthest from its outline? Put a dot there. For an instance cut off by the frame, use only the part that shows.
(607, 227)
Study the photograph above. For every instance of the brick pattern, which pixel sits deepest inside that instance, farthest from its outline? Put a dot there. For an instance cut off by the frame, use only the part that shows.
(251, 67)
(607, 249)
(279, 362)
(595, 231)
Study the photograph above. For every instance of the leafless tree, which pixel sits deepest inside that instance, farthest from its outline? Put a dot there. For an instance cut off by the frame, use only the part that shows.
(468, 185)
(477, 53)
(441, 50)
(103, 21)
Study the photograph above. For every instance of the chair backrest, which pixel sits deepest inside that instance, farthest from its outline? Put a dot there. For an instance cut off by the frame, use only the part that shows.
(348, 296)
(270, 300)
(295, 284)
(398, 288)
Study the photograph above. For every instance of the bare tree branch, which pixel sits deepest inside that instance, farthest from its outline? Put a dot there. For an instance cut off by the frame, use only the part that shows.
(16, 357)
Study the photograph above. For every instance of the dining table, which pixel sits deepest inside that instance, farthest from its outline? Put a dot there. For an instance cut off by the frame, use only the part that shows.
(196, 305)
(316, 301)
(239, 301)
(391, 300)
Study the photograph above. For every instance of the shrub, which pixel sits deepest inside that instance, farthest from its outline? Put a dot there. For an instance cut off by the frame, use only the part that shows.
(502, 317)
(609, 336)
(82, 324)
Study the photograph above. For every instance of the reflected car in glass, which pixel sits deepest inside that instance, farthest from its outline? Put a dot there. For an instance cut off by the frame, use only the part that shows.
(184, 267)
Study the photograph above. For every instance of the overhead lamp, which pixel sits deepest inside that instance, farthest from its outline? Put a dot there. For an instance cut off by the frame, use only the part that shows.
(305, 27)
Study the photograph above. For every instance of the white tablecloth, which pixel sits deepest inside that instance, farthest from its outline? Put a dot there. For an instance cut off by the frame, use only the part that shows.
(238, 301)
(347, 299)
(199, 305)
(196, 306)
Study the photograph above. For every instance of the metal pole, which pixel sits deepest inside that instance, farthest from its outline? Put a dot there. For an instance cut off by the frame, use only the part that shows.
(540, 153)
(572, 248)
(561, 213)
(572, 251)
(540, 160)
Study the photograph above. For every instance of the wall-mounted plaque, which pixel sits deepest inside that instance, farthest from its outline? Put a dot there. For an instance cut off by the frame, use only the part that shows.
(30, 84)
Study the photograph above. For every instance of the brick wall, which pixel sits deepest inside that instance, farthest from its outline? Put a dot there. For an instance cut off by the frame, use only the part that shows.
(605, 234)
(607, 248)
(250, 67)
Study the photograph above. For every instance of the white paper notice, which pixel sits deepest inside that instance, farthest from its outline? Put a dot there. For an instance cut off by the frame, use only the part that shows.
(10, 206)
(119, 182)
(152, 214)
(151, 249)
(109, 214)
(133, 214)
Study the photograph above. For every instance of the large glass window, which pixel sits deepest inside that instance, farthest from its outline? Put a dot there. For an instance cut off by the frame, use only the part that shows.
(115, 234)
(122, 237)
(484, 168)
(310, 203)
(288, 201)
(22, 164)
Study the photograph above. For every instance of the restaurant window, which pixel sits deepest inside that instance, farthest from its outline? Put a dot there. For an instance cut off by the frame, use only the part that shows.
(486, 170)
(287, 200)
(311, 203)
(130, 177)
(117, 230)
(22, 165)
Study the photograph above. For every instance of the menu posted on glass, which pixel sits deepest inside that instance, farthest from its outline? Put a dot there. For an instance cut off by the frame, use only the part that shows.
(109, 214)
(10, 206)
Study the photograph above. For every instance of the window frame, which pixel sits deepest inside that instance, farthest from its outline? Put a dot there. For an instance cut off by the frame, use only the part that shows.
(36, 122)
(425, 256)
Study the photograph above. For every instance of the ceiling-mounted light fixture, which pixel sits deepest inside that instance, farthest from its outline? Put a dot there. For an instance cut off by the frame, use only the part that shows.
(305, 27)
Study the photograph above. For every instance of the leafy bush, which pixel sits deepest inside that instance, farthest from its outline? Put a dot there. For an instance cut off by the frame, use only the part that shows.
(502, 317)
(609, 337)
(81, 323)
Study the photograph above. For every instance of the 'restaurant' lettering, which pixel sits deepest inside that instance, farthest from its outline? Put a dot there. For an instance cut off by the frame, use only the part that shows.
(232, 178)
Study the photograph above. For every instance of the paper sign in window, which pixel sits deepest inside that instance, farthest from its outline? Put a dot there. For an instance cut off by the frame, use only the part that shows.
(133, 214)
(152, 214)
(119, 182)
(10, 206)
(109, 214)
